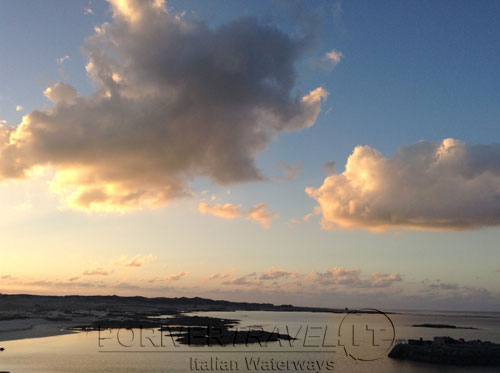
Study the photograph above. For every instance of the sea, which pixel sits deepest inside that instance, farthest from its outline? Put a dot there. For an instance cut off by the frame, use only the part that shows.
(323, 342)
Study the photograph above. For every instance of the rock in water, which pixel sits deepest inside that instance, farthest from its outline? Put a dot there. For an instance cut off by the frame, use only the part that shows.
(446, 350)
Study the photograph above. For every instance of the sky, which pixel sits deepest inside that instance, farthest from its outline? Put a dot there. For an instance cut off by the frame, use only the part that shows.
(328, 153)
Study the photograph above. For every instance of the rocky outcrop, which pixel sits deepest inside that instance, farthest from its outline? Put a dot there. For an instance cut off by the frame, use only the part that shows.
(442, 326)
(446, 350)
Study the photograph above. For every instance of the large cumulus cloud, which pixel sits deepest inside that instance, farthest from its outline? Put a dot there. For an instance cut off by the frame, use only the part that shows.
(174, 99)
(447, 185)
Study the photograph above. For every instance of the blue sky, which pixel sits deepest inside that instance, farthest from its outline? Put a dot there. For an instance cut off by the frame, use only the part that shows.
(408, 72)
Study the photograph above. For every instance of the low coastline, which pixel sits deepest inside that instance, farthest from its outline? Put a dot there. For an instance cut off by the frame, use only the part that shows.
(29, 316)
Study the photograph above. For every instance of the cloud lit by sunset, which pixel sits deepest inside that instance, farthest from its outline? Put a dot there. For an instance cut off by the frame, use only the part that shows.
(271, 152)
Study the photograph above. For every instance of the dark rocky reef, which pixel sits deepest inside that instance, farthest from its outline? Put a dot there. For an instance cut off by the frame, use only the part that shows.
(446, 350)
(443, 326)
(192, 330)
(143, 321)
(220, 336)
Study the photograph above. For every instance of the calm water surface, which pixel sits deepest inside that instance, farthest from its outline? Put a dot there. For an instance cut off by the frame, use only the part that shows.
(318, 342)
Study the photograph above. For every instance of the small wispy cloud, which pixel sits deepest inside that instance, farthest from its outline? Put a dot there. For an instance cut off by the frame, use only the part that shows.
(328, 61)
(329, 167)
(262, 215)
(62, 60)
(136, 261)
(288, 171)
(177, 276)
(98, 271)
(258, 213)
(354, 278)
(242, 281)
(225, 211)
(221, 276)
(333, 58)
(316, 211)
(19, 108)
(273, 274)
(88, 11)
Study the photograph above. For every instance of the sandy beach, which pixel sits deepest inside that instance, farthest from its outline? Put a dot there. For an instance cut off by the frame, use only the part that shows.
(32, 328)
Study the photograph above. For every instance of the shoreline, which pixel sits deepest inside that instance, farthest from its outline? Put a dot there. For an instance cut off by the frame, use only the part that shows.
(17, 329)
(25, 316)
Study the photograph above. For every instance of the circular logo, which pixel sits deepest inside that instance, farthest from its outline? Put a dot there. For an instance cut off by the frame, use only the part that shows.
(366, 334)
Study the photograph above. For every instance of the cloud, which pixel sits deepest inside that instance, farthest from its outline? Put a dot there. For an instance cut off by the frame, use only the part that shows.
(176, 277)
(288, 171)
(216, 276)
(339, 276)
(136, 261)
(273, 274)
(353, 278)
(336, 277)
(327, 62)
(392, 297)
(99, 271)
(88, 11)
(332, 58)
(448, 185)
(261, 215)
(242, 281)
(226, 211)
(329, 167)
(310, 215)
(174, 100)
(221, 276)
(258, 213)
(445, 286)
(40, 283)
(382, 280)
(19, 108)
(62, 60)
(61, 93)
(81, 284)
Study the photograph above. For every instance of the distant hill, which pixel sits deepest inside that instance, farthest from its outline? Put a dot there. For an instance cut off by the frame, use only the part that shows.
(69, 303)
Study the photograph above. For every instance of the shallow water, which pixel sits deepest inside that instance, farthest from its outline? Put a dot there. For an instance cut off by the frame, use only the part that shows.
(319, 345)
